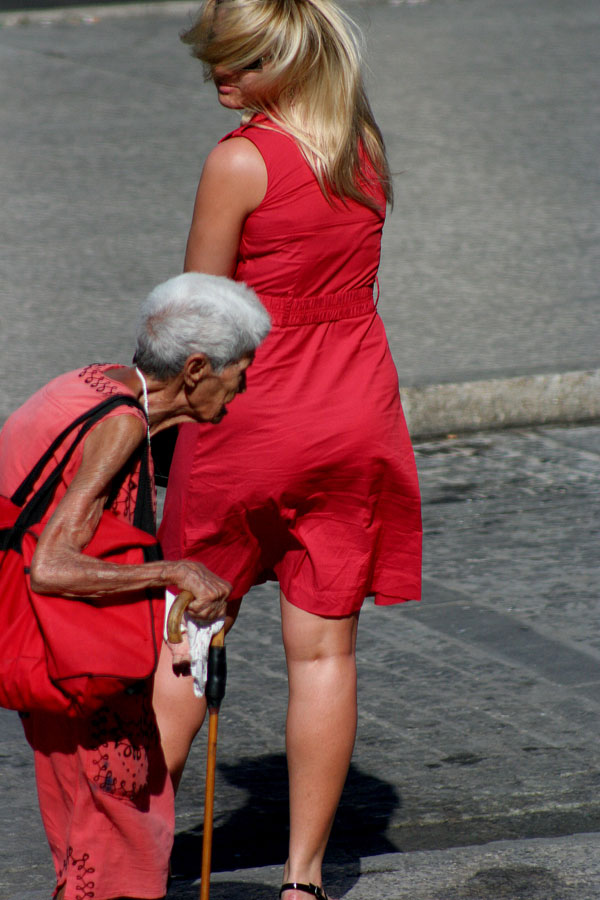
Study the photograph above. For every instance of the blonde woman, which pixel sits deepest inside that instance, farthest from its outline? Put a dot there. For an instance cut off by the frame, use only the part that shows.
(311, 480)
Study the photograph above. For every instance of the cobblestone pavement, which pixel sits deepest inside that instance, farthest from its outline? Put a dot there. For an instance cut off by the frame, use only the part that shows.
(478, 707)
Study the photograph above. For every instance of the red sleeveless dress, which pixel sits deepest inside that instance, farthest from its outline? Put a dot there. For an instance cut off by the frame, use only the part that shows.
(310, 479)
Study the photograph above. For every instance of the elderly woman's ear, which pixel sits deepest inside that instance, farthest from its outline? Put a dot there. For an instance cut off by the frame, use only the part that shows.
(196, 368)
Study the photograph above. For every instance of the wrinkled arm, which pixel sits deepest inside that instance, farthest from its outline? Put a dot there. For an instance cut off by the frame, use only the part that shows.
(59, 566)
(233, 183)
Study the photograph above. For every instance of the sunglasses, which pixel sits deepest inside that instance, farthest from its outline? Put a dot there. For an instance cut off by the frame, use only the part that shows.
(253, 66)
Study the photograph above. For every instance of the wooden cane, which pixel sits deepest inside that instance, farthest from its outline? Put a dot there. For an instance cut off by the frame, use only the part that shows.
(215, 691)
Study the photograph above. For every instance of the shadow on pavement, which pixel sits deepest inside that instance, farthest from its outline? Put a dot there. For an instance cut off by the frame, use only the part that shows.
(257, 834)
(225, 890)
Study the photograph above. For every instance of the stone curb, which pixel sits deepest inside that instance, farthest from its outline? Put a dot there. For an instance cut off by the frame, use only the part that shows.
(554, 399)
(562, 398)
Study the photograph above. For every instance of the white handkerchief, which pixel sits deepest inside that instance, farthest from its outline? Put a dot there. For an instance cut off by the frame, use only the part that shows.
(199, 637)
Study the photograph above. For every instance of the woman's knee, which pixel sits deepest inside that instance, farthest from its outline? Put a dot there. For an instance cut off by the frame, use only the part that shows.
(309, 637)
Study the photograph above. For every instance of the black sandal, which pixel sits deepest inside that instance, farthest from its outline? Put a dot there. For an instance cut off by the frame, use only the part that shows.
(313, 889)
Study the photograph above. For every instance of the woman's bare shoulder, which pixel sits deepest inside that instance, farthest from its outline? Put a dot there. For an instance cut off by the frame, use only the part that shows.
(235, 176)
(237, 156)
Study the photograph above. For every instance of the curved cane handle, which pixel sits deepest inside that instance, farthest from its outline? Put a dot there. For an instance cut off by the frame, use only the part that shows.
(175, 618)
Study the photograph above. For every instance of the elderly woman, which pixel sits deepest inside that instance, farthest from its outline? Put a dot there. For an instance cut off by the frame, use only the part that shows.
(105, 795)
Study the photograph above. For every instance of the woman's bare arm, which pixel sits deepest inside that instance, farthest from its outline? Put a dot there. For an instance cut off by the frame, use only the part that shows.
(233, 183)
(59, 566)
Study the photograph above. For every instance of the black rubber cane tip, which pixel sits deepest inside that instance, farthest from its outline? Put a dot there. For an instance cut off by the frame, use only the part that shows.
(217, 677)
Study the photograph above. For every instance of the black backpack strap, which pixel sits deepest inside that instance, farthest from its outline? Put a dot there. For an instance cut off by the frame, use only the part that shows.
(143, 516)
(38, 504)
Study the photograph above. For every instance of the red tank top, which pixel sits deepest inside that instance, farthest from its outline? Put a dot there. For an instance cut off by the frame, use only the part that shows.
(30, 430)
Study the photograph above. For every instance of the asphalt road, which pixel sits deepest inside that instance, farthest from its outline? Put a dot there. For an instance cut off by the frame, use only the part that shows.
(491, 257)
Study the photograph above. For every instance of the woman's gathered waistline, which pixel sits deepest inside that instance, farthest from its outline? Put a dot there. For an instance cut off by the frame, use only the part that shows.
(287, 309)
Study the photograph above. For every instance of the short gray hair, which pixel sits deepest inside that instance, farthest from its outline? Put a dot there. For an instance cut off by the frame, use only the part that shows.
(197, 313)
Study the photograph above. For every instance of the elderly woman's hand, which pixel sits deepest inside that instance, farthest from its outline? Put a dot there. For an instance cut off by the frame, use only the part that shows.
(210, 592)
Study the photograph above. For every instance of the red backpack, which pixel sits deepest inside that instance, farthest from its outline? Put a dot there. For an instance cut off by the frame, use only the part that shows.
(71, 655)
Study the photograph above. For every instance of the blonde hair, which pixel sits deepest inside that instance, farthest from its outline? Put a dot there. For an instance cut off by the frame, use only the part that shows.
(311, 52)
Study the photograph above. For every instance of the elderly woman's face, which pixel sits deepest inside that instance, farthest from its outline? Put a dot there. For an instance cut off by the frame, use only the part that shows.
(211, 396)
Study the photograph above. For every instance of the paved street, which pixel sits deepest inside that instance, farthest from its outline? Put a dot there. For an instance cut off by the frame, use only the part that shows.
(476, 770)
(479, 707)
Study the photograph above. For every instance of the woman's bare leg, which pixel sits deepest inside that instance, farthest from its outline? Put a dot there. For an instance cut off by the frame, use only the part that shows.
(320, 732)
(179, 712)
